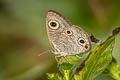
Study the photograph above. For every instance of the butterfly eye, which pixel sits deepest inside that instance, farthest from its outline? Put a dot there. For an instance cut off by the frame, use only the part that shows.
(53, 24)
(68, 32)
(81, 41)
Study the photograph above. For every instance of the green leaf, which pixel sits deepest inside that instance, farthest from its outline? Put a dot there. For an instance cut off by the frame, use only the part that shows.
(95, 64)
(90, 65)
(113, 70)
(116, 50)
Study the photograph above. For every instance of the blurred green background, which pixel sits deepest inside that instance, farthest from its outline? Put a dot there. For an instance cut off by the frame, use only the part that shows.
(23, 35)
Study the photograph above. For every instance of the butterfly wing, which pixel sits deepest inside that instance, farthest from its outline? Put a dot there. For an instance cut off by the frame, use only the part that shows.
(55, 24)
(63, 36)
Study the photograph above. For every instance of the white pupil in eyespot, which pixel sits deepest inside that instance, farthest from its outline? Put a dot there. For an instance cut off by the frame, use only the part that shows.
(82, 41)
(53, 24)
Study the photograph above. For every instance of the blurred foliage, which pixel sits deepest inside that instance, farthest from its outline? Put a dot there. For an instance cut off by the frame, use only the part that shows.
(23, 35)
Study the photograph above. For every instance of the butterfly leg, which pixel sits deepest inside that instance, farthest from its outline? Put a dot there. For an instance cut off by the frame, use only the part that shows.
(78, 56)
(58, 68)
(58, 59)
(67, 59)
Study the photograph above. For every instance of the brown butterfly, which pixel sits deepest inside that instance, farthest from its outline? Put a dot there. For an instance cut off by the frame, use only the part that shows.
(66, 39)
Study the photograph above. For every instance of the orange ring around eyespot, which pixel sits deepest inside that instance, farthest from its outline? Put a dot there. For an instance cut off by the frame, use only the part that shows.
(53, 27)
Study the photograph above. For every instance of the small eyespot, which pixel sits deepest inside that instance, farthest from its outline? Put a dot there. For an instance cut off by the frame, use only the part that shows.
(68, 32)
(53, 24)
(81, 41)
(86, 47)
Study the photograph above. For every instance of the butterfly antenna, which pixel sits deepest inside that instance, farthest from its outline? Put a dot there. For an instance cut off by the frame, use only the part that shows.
(44, 52)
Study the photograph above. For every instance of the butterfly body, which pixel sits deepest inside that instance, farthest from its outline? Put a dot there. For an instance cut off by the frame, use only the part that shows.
(66, 39)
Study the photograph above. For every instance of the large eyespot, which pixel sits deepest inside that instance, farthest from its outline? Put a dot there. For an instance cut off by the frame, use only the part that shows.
(68, 32)
(81, 41)
(53, 24)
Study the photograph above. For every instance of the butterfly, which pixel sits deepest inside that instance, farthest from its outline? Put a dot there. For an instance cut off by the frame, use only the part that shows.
(65, 39)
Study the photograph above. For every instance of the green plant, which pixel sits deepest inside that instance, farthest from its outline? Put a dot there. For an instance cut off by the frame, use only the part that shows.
(91, 65)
